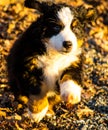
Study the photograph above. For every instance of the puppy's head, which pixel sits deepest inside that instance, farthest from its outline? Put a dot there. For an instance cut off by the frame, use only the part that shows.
(61, 25)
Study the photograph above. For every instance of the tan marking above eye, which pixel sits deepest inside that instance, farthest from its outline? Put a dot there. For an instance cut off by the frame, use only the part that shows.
(74, 23)
(80, 42)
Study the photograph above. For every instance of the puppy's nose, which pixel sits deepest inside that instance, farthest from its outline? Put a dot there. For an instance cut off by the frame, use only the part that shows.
(67, 44)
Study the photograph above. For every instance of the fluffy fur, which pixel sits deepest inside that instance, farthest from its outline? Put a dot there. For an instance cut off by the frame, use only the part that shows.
(45, 61)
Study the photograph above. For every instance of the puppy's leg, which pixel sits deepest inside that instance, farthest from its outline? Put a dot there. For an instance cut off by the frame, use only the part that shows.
(53, 99)
(38, 106)
(70, 91)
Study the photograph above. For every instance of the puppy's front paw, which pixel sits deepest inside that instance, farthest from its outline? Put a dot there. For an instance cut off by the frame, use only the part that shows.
(37, 117)
(70, 92)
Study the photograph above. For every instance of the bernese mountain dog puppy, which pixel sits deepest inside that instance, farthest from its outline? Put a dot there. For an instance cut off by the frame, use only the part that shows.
(44, 64)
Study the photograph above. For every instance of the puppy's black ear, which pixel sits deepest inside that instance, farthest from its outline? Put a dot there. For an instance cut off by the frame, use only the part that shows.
(42, 7)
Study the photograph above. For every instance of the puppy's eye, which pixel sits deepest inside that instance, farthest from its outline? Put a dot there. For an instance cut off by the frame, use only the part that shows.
(57, 28)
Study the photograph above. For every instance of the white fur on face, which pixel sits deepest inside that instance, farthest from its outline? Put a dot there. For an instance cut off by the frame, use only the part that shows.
(66, 34)
(65, 15)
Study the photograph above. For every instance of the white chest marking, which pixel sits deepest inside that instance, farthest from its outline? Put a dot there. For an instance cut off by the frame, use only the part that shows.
(54, 63)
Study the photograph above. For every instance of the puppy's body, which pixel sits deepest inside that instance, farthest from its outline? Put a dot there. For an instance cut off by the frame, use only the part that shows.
(46, 59)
